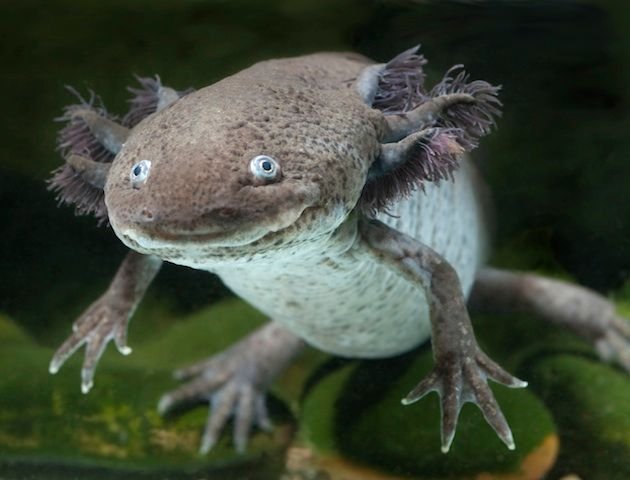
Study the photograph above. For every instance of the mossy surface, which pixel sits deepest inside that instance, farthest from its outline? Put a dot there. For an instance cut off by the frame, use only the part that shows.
(116, 426)
(349, 409)
(557, 166)
(573, 398)
(356, 412)
(590, 403)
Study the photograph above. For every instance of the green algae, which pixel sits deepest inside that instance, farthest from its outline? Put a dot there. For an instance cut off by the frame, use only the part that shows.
(559, 181)
(356, 412)
(348, 408)
(116, 425)
(11, 333)
(589, 403)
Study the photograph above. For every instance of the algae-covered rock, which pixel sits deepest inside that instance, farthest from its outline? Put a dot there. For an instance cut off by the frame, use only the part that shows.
(355, 413)
(590, 403)
(588, 399)
(352, 416)
(46, 420)
(11, 333)
(351, 422)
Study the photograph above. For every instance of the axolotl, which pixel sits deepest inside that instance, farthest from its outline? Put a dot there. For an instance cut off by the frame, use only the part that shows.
(334, 194)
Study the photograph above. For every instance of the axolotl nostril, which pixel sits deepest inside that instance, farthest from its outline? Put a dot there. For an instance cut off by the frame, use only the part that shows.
(332, 193)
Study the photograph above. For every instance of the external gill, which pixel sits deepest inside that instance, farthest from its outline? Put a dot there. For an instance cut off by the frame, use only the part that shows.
(92, 137)
(430, 155)
(454, 102)
(89, 142)
(476, 118)
(151, 97)
(424, 132)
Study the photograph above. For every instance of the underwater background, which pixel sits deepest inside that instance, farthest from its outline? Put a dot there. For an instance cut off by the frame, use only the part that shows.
(558, 167)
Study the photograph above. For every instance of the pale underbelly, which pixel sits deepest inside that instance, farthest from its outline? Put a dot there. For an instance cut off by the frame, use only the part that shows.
(358, 307)
(360, 310)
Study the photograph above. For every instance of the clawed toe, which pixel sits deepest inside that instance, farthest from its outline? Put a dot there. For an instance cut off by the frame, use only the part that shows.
(223, 404)
(245, 405)
(95, 336)
(234, 383)
(231, 395)
(465, 380)
(482, 396)
(235, 400)
(495, 372)
(195, 391)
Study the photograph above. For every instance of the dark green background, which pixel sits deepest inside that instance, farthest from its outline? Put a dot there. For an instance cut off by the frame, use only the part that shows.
(559, 165)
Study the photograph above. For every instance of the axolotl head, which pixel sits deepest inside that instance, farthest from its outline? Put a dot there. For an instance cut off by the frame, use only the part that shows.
(276, 156)
(238, 168)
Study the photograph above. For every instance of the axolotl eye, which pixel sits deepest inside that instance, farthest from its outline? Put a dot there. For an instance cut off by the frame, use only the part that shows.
(263, 167)
(139, 173)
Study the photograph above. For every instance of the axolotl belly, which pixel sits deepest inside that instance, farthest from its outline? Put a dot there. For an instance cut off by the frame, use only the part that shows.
(351, 305)
(332, 193)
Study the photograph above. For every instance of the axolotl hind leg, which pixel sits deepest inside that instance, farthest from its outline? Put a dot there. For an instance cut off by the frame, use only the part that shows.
(234, 383)
(583, 311)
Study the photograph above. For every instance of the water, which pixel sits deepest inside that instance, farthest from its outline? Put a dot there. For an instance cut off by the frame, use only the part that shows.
(558, 168)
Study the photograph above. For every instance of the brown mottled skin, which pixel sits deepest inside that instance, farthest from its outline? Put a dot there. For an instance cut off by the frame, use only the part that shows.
(304, 117)
(299, 248)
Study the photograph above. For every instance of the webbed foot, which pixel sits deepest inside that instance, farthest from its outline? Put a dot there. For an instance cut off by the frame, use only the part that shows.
(108, 318)
(234, 383)
(99, 324)
(461, 379)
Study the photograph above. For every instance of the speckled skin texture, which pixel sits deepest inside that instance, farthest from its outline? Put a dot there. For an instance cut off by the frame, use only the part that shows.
(300, 235)
(290, 248)
(305, 113)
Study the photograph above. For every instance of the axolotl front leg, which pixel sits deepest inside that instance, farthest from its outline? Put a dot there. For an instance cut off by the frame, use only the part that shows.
(234, 381)
(108, 317)
(424, 144)
(461, 367)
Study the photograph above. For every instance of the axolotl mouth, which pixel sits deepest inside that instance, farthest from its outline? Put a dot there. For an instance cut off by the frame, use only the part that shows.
(157, 239)
(166, 242)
